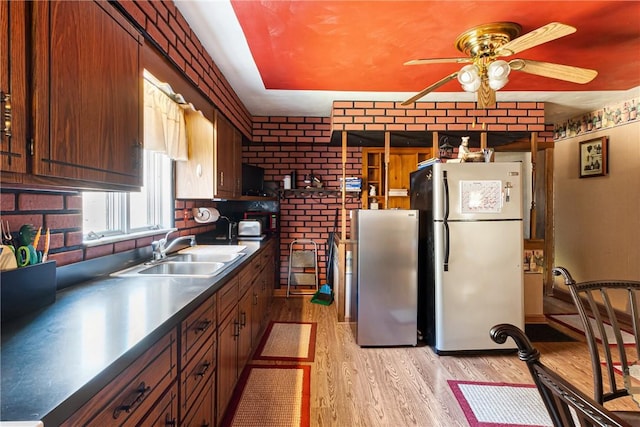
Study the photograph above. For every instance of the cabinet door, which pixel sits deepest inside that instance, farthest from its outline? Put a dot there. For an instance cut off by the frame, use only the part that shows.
(13, 89)
(87, 94)
(202, 414)
(227, 363)
(244, 337)
(195, 177)
(225, 158)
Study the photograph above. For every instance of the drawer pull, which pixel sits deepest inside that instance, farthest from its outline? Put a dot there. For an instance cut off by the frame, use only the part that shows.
(205, 368)
(236, 329)
(243, 321)
(135, 398)
(203, 326)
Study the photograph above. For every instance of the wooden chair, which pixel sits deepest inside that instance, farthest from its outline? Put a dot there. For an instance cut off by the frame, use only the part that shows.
(594, 299)
(567, 406)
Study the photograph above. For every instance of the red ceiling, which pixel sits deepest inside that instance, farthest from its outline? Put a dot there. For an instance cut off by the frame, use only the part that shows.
(362, 45)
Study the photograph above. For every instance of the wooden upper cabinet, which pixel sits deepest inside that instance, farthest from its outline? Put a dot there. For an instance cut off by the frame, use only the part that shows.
(13, 88)
(214, 166)
(228, 157)
(87, 88)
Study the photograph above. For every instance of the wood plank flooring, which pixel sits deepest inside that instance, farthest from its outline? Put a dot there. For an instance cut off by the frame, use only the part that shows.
(407, 386)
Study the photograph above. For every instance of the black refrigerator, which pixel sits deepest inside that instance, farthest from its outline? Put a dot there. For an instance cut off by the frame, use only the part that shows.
(421, 193)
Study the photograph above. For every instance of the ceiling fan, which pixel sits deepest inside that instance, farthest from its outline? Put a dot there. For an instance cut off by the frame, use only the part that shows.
(486, 73)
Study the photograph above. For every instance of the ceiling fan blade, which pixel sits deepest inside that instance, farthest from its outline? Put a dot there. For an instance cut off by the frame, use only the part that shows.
(431, 88)
(438, 61)
(554, 71)
(544, 34)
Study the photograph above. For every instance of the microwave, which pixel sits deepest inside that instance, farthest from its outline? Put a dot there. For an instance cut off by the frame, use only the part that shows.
(269, 220)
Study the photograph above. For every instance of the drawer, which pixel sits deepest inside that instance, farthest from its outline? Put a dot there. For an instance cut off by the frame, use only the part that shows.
(196, 328)
(165, 411)
(227, 298)
(197, 374)
(248, 275)
(135, 391)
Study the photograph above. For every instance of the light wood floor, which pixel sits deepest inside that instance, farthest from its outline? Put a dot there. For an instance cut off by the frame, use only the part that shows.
(407, 386)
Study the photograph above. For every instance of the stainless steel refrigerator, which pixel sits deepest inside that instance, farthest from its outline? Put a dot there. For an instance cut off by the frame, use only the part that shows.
(384, 297)
(471, 251)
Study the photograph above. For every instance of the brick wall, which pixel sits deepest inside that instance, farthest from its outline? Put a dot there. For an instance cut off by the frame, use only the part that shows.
(437, 116)
(165, 26)
(61, 212)
(305, 217)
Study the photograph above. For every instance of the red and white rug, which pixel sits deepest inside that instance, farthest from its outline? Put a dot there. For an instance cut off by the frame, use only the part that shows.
(487, 404)
(288, 341)
(271, 396)
(573, 322)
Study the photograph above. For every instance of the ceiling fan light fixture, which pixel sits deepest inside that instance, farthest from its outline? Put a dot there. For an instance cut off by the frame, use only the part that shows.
(469, 78)
(498, 69)
(497, 73)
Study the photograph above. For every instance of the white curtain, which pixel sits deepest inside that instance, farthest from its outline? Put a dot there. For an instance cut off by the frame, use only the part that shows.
(164, 123)
(199, 128)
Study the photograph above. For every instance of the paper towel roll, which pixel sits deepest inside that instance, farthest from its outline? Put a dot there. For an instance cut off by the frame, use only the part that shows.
(205, 215)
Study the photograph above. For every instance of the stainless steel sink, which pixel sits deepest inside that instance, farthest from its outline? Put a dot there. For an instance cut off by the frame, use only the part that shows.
(183, 269)
(198, 261)
(204, 257)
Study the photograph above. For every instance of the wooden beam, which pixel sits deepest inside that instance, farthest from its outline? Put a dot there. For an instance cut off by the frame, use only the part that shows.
(549, 235)
(532, 211)
(483, 140)
(343, 222)
(387, 154)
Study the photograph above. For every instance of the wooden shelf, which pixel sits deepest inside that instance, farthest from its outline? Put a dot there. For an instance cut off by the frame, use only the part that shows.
(316, 192)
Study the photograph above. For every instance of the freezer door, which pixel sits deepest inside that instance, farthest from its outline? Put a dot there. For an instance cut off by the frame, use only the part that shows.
(483, 285)
(477, 191)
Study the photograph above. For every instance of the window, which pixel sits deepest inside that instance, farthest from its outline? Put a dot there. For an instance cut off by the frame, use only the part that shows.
(121, 214)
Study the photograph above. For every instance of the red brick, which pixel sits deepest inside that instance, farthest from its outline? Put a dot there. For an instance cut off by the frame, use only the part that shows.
(98, 251)
(73, 202)
(63, 221)
(73, 238)
(40, 202)
(342, 104)
(124, 246)
(65, 258)
(7, 202)
(57, 240)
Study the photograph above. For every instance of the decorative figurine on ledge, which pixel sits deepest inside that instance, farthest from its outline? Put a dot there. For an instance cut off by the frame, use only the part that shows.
(372, 190)
(463, 149)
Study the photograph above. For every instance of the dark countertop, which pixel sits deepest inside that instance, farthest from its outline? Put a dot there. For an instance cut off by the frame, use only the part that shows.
(56, 359)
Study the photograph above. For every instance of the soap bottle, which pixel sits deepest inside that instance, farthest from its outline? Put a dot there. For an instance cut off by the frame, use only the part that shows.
(294, 179)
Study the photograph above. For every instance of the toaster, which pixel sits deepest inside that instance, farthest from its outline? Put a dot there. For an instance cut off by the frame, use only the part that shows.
(250, 228)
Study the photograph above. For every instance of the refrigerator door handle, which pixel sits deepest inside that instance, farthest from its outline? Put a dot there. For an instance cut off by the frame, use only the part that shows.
(445, 182)
(446, 246)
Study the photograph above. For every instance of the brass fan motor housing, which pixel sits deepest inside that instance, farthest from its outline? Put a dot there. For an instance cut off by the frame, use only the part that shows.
(483, 40)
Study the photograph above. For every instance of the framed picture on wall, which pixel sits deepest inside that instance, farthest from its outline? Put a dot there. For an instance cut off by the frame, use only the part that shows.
(593, 157)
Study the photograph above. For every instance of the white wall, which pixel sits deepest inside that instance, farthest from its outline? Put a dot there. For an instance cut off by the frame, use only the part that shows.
(597, 220)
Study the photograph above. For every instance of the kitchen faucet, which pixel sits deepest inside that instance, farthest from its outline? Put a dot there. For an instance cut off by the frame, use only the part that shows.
(159, 246)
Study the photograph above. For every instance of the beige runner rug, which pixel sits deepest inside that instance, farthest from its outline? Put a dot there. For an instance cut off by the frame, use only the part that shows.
(271, 396)
(487, 404)
(288, 341)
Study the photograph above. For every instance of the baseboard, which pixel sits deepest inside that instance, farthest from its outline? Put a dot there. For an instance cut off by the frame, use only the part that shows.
(535, 318)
